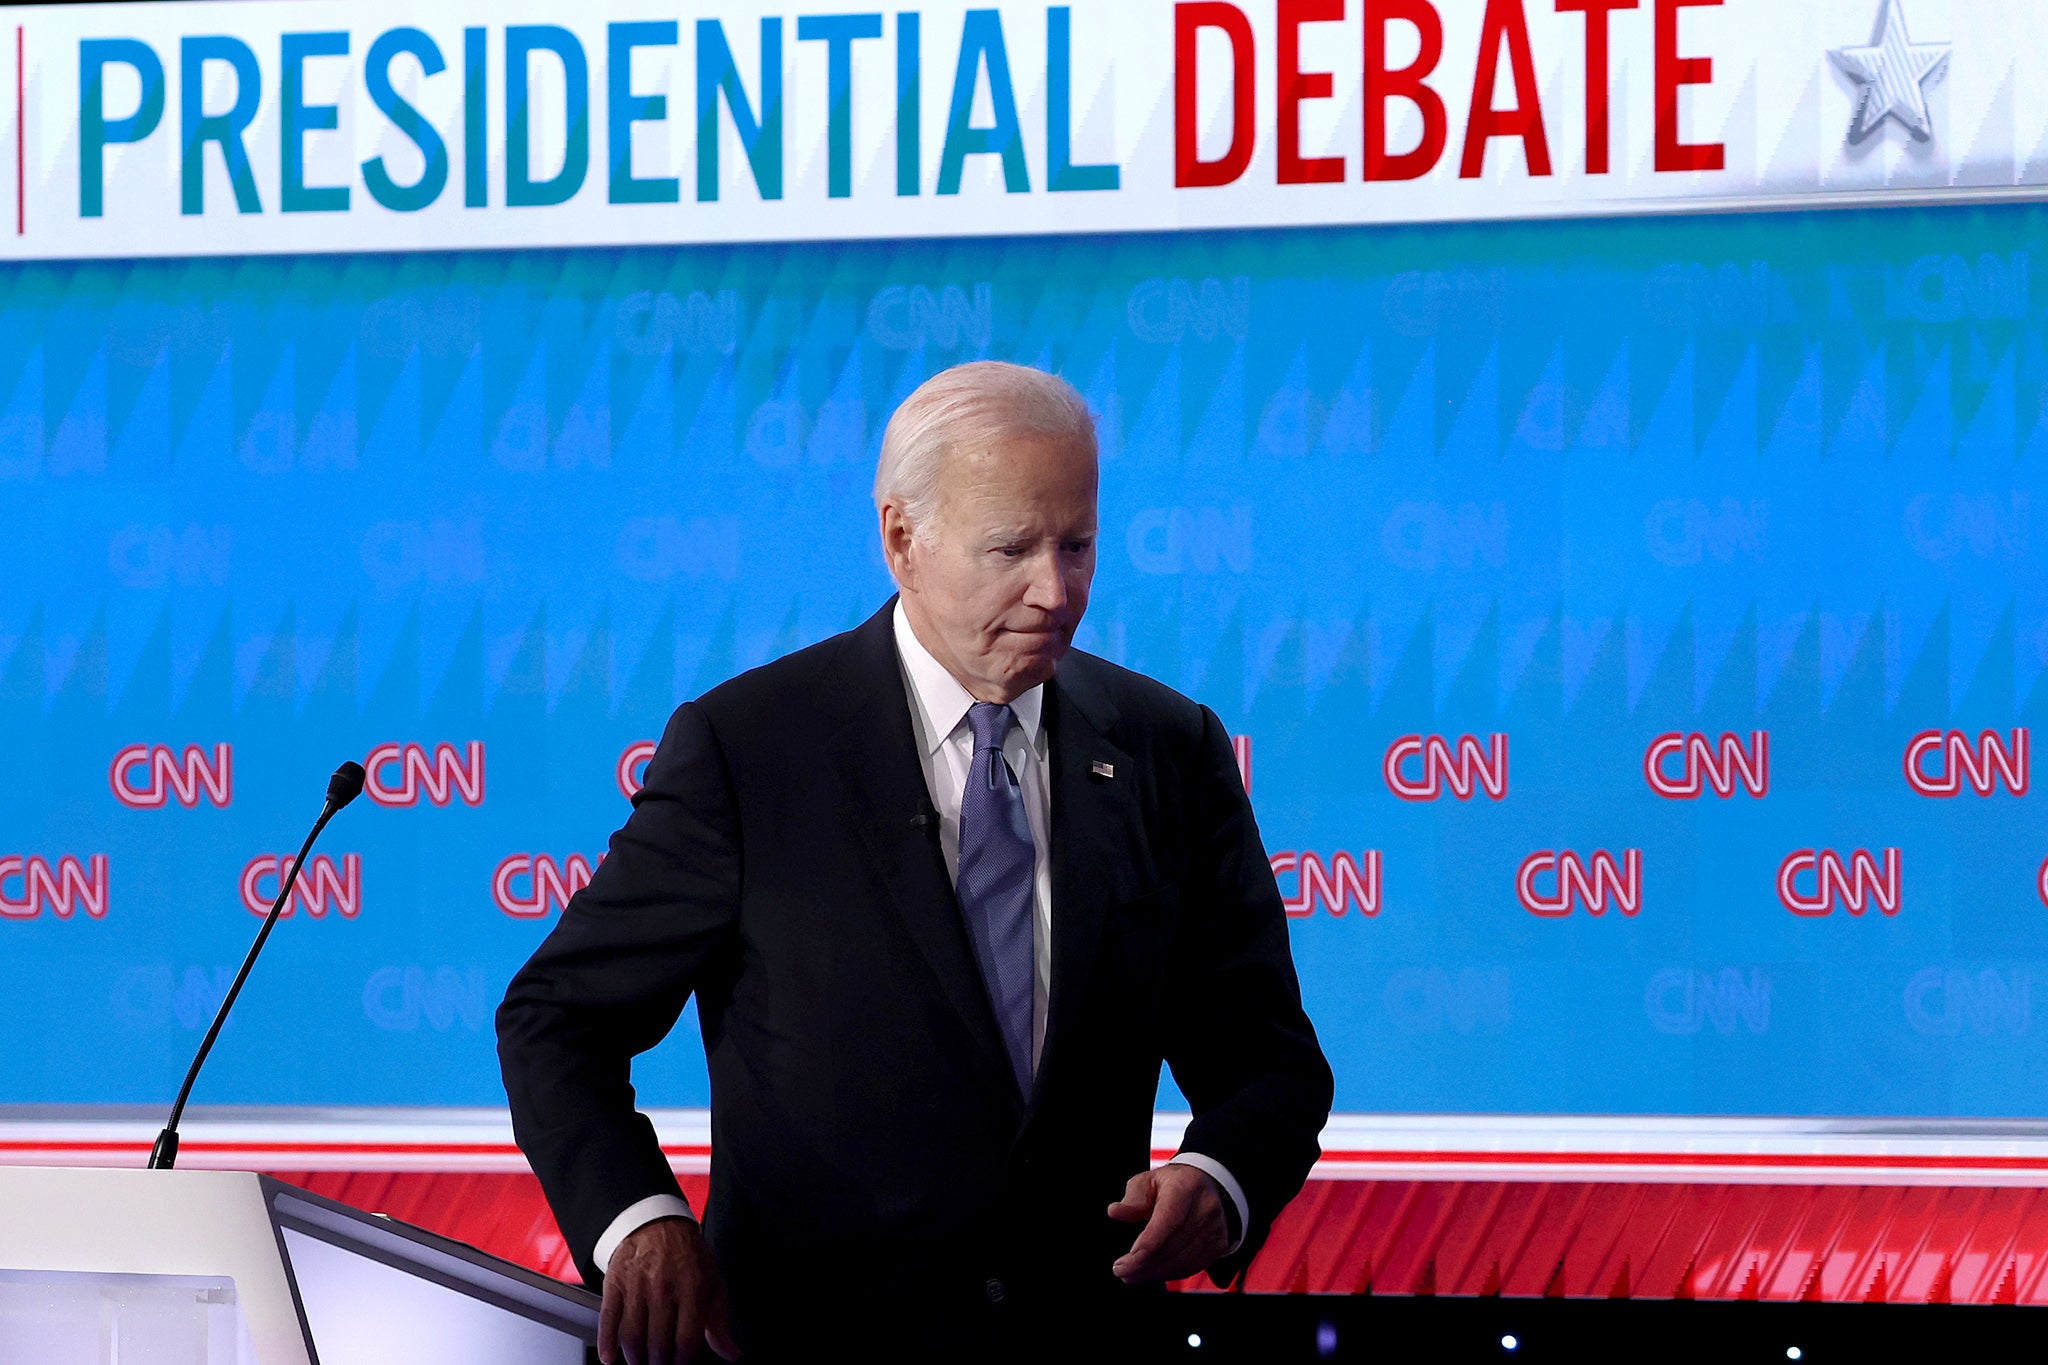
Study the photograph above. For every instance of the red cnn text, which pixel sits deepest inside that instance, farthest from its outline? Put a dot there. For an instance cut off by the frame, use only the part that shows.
(1944, 762)
(1422, 767)
(1682, 767)
(632, 767)
(1340, 884)
(30, 885)
(1592, 882)
(149, 776)
(323, 885)
(1812, 882)
(401, 774)
(533, 885)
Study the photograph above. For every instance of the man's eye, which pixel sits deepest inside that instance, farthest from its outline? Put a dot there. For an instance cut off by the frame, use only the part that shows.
(1079, 547)
(1010, 551)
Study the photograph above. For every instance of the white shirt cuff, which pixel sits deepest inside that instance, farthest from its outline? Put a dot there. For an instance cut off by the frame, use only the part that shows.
(1217, 1171)
(636, 1217)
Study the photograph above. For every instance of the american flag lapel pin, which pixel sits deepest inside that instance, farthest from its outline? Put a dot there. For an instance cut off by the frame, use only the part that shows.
(1101, 769)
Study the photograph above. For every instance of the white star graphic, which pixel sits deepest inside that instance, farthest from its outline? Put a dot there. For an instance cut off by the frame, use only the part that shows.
(1894, 73)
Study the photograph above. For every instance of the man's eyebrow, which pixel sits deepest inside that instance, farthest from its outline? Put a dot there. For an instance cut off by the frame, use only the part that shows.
(1012, 533)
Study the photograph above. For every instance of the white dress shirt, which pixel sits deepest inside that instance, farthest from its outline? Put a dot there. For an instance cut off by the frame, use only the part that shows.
(945, 751)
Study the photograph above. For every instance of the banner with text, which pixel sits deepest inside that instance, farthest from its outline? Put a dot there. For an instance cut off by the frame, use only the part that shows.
(372, 125)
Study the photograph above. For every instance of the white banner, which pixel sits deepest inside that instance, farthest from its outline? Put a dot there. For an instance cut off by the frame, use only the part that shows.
(319, 125)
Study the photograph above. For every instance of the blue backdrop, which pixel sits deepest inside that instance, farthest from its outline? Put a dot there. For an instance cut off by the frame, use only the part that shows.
(1580, 485)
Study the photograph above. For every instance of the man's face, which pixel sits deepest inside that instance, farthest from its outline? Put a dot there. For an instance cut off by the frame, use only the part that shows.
(997, 585)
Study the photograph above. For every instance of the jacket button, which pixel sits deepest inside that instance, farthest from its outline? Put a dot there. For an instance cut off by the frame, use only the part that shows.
(995, 1291)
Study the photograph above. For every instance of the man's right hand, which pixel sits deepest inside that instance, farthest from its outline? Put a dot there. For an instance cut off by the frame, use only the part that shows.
(664, 1299)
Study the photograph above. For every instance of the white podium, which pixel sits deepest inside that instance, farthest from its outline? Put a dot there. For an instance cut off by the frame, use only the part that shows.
(127, 1267)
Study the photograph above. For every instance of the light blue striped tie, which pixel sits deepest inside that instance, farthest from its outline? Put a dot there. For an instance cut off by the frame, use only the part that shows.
(995, 881)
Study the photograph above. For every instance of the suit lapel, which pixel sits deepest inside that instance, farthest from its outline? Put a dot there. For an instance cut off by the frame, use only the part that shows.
(875, 751)
(1095, 823)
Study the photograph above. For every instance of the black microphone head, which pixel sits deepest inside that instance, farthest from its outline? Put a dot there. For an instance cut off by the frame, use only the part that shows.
(346, 784)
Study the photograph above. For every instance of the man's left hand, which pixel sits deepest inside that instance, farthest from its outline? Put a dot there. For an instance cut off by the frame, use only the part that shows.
(1184, 1233)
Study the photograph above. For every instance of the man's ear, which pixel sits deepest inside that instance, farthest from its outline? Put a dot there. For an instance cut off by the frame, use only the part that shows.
(897, 539)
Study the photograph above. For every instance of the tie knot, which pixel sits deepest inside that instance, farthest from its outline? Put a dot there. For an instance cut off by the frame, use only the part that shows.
(990, 723)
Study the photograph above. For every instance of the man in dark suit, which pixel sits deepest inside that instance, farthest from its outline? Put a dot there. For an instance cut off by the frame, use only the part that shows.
(948, 894)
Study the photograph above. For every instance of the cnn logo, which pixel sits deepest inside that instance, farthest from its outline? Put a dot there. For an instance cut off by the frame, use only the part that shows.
(150, 776)
(1941, 763)
(404, 774)
(1682, 767)
(1855, 884)
(1423, 767)
(323, 885)
(631, 771)
(64, 889)
(1593, 882)
(533, 885)
(1340, 884)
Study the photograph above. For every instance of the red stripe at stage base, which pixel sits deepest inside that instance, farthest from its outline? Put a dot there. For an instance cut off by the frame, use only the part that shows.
(503, 1213)
(1832, 1243)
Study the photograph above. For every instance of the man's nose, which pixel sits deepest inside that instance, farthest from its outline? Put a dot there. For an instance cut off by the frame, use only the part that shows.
(1048, 586)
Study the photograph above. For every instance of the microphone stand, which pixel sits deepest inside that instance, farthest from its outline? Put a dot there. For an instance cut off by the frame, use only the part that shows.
(341, 789)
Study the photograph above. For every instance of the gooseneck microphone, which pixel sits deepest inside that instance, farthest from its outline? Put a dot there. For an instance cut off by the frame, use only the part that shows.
(345, 786)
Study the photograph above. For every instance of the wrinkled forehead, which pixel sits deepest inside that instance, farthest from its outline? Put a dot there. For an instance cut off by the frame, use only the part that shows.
(1024, 471)
(1019, 453)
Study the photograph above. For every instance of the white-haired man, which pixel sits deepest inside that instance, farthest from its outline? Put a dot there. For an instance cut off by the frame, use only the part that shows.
(948, 894)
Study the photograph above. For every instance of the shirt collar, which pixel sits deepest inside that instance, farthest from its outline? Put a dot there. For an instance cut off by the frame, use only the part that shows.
(938, 697)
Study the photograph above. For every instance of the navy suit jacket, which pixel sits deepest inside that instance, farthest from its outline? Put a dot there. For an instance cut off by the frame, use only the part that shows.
(782, 863)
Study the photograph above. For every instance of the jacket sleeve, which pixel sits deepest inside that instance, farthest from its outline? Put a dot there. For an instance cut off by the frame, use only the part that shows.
(1241, 1048)
(658, 920)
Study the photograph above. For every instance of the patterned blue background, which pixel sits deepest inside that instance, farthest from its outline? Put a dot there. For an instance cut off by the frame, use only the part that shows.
(1579, 483)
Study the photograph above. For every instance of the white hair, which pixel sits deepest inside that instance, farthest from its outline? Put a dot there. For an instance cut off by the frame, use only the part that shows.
(970, 405)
